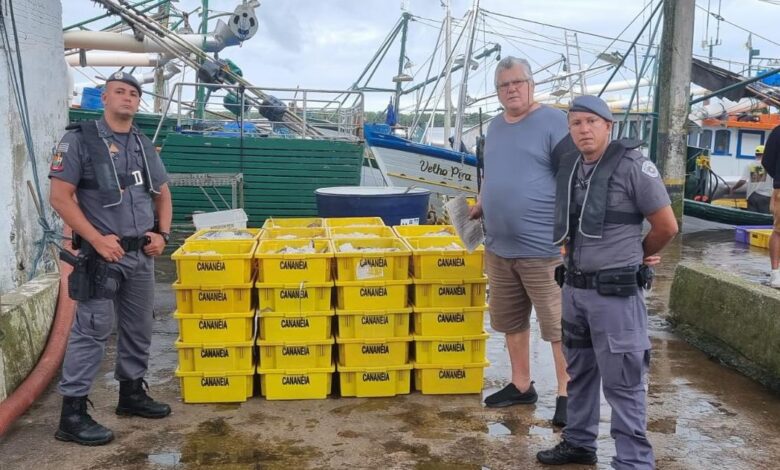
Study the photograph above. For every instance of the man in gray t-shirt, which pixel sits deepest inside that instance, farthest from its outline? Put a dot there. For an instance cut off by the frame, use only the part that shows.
(516, 203)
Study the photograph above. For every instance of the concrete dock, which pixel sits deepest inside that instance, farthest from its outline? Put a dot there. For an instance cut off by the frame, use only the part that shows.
(701, 414)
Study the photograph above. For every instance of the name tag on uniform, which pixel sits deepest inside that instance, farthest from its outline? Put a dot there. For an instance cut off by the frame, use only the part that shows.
(139, 179)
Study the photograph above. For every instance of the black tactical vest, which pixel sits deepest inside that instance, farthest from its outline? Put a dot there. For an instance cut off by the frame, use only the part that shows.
(107, 181)
(590, 218)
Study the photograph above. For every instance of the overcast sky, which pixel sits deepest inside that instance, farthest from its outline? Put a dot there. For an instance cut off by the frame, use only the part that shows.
(327, 43)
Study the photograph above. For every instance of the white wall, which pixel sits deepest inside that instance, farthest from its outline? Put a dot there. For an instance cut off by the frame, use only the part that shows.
(39, 24)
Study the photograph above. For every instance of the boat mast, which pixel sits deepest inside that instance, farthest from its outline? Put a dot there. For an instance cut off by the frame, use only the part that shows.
(200, 92)
(160, 83)
(399, 79)
(464, 79)
(447, 80)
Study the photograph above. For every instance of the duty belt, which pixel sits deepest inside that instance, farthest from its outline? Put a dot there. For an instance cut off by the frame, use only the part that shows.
(134, 243)
(127, 243)
(625, 275)
(581, 280)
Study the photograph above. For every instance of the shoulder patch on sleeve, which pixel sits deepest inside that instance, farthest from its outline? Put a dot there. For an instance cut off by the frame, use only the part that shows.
(57, 160)
(649, 169)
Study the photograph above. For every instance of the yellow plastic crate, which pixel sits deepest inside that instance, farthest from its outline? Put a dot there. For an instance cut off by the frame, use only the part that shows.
(382, 381)
(372, 265)
(425, 231)
(760, 237)
(431, 262)
(296, 384)
(352, 221)
(226, 235)
(449, 292)
(294, 297)
(294, 326)
(291, 222)
(373, 323)
(198, 298)
(294, 267)
(295, 354)
(372, 295)
(450, 349)
(215, 328)
(367, 231)
(210, 357)
(216, 387)
(458, 321)
(731, 202)
(441, 379)
(372, 352)
(293, 233)
(208, 263)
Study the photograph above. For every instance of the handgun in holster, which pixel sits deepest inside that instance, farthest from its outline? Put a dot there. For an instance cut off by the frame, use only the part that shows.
(80, 280)
(645, 276)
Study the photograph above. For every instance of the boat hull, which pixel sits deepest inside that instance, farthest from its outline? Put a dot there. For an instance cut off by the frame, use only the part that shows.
(724, 215)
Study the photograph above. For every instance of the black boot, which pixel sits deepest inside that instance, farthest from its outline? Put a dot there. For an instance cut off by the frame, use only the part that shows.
(133, 401)
(559, 419)
(565, 453)
(77, 425)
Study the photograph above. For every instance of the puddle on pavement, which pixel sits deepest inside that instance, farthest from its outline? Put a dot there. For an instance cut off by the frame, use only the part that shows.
(429, 422)
(364, 406)
(498, 430)
(165, 459)
(216, 443)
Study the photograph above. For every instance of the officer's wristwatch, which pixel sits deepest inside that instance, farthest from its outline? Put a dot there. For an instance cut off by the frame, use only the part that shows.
(166, 236)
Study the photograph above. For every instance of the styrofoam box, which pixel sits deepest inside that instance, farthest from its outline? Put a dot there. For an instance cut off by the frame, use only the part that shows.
(233, 218)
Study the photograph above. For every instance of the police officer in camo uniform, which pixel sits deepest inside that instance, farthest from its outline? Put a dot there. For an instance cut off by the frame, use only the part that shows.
(604, 192)
(107, 184)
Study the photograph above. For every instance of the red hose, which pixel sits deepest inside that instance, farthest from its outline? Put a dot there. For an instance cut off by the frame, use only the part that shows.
(48, 365)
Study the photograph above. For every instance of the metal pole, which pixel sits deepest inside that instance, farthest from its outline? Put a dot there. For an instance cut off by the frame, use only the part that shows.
(633, 44)
(464, 81)
(105, 15)
(200, 92)
(675, 75)
(160, 85)
(447, 80)
(401, 58)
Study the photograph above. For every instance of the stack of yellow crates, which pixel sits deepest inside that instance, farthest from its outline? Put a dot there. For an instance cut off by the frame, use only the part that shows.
(448, 298)
(372, 307)
(215, 315)
(294, 285)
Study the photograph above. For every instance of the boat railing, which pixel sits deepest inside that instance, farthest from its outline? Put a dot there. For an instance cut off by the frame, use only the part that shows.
(238, 111)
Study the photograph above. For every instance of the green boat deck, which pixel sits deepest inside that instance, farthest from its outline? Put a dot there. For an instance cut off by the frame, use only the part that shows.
(279, 175)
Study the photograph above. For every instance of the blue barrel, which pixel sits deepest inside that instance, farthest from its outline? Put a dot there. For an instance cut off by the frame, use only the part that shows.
(395, 205)
(90, 98)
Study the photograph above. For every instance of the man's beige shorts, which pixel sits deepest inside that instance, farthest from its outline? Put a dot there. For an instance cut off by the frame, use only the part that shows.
(516, 285)
(775, 208)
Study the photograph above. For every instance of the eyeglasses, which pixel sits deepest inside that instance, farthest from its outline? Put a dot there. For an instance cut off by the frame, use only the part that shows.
(513, 84)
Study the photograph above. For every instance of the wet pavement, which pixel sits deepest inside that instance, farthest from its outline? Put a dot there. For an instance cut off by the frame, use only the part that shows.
(701, 415)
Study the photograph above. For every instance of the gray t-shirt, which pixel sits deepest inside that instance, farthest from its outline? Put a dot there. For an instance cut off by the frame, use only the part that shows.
(518, 194)
(635, 187)
(134, 216)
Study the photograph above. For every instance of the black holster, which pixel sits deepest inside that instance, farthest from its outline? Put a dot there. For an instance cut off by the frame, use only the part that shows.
(560, 275)
(621, 282)
(645, 276)
(80, 286)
